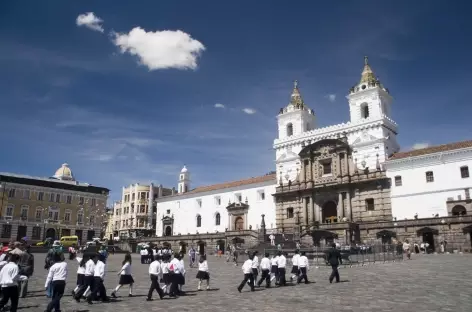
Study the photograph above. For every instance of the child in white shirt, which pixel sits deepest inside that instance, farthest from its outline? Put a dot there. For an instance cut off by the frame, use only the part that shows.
(203, 273)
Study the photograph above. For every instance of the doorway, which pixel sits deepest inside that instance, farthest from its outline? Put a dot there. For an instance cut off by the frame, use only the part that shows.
(168, 231)
(221, 245)
(330, 212)
(21, 232)
(428, 237)
(239, 224)
(51, 233)
(201, 248)
(79, 234)
(90, 235)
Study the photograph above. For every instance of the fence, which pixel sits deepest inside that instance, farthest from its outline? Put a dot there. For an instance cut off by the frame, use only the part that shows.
(351, 256)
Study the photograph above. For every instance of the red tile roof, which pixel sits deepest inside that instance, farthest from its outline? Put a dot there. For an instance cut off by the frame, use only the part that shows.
(214, 187)
(432, 150)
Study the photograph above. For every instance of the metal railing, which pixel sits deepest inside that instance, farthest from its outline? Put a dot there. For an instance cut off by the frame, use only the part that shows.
(351, 256)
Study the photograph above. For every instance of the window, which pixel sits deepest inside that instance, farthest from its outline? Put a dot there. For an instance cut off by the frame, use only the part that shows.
(369, 204)
(69, 199)
(261, 195)
(51, 197)
(6, 231)
(464, 172)
(326, 167)
(41, 196)
(26, 194)
(289, 129)
(132, 196)
(364, 110)
(11, 193)
(80, 218)
(218, 200)
(199, 203)
(36, 232)
(67, 216)
(398, 180)
(24, 212)
(55, 215)
(94, 202)
(9, 212)
(289, 213)
(92, 220)
(217, 219)
(238, 198)
(199, 221)
(58, 198)
(39, 213)
(117, 225)
(429, 176)
(168, 211)
(81, 200)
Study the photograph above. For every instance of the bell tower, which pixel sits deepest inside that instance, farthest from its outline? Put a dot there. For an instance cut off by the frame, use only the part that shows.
(296, 117)
(369, 99)
(184, 181)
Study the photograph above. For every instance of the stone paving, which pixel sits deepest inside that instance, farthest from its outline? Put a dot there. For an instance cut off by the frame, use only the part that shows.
(426, 283)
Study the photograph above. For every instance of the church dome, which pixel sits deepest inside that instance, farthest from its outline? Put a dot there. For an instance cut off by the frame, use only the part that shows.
(64, 173)
(184, 169)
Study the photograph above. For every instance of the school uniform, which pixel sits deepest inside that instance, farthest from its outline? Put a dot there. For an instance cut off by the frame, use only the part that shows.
(274, 269)
(294, 266)
(154, 274)
(88, 282)
(144, 254)
(9, 277)
(203, 271)
(255, 266)
(182, 273)
(176, 276)
(125, 277)
(281, 264)
(57, 276)
(80, 274)
(248, 276)
(303, 266)
(166, 278)
(98, 287)
(265, 272)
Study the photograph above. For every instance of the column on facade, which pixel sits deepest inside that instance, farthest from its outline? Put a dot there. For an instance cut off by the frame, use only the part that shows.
(346, 164)
(311, 172)
(302, 177)
(338, 164)
(340, 206)
(307, 211)
(246, 226)
(320, 213)
(312, 202)
(349, 206)
(150, 205)
(229, 222)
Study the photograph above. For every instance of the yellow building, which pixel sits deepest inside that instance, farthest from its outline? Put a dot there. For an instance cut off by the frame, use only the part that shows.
(50, 207)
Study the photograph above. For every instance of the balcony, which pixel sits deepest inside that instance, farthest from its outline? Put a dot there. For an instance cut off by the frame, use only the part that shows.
(142, 214)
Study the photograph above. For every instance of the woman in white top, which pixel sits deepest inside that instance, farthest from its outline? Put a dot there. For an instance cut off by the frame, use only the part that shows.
(9, 277)
(203, 273)
(80, 273)
(58, 276)
(125, 276)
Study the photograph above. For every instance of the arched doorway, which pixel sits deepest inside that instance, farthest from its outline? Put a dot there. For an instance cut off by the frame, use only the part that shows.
(239, 224)
(168, 231)
(221, 245)
(329, 213)
(459, 210)
(201, 247)
(427, 234)
(51, 233)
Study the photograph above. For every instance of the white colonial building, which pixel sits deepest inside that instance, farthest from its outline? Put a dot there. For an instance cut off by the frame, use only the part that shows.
(370, 132)
(236, 205)
(431, 181)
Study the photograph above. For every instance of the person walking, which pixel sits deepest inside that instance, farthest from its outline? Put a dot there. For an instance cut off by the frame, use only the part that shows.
(57, 277)
(334, 259)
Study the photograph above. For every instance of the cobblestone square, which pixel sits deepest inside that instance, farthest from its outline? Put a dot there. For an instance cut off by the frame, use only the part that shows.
(426, 283)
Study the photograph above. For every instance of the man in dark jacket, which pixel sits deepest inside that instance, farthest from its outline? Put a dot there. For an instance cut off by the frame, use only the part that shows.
(26, 266)
(334, 259)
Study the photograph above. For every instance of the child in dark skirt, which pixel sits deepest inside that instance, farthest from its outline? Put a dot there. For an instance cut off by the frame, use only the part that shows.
(80, 273)
(125, 276)
(203, 273)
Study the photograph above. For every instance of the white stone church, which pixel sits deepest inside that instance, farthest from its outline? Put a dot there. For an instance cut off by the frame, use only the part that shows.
(371, 135)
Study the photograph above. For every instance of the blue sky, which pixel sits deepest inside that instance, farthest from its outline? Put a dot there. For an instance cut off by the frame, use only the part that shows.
(123, 106)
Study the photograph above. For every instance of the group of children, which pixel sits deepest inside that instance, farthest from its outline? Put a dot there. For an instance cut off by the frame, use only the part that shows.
(273, 269)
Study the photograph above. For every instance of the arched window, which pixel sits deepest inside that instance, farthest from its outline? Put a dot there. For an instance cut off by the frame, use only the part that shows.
(217, 219)
(199, 221)
(364, 110)
(459, 210)
(289, 129)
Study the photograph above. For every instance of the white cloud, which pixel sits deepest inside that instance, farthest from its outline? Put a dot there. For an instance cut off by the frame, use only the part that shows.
(249, 111)
(331, 97)
(420, 145)
(91, 21)
(219, 105)
(161, 49)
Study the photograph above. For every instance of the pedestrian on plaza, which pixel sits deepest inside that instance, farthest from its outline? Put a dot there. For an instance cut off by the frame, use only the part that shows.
(154, 273)
(265, 271)
(273, 269)
(192, 256)
(248, 276)
(182, 272)
(334, 259)
(255, 266)
(9, 277)
(281, 264)
(26, 266)
(88, 283)
(294, 272)
(98, 290)
(57, 277)
(166, 275)
(80, 273)
(303, 266)
(203, 273)
(175, 269)
(125, 276)
(406, 249)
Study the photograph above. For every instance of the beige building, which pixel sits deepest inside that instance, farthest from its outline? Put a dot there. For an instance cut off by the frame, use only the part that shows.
(50, 207)
(135, 215)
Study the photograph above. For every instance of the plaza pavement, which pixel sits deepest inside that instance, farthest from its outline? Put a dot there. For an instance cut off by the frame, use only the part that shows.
(426, 283)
